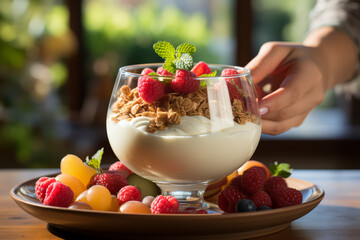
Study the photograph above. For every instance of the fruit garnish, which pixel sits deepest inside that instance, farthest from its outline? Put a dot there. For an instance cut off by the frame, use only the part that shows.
(134, 207)
(58, 195)
(273, 183)
(228, 198)
(164, 204)
(252, 163)
(185, 82)
(74, 166)
(128, 193)
(150, 89)
(41, 185)
(253, 179)
(284, 197)
(98, 197)
(95, 160)
(112, 180)
(283, 169)
(75, 184)
(181, 58)
(245, 205)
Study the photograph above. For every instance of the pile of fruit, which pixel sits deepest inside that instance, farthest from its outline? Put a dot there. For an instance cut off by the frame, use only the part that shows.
(258, 188)
(84, 185)
(180, 66)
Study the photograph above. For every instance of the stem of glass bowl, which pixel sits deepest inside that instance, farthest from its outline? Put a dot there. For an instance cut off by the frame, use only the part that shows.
(189, 196)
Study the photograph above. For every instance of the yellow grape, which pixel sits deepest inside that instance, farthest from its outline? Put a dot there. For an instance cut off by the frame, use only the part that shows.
(99, 197)
(74, 166)
(114, 206)
(80, 205)
(75, 184)
(82, 197)
(134, 207)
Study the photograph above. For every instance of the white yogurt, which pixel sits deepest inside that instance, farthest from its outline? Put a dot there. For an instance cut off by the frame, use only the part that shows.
(183, 153)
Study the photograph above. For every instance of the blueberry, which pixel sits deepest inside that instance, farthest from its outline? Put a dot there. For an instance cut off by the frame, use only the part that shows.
(245, 205)
(263, 207)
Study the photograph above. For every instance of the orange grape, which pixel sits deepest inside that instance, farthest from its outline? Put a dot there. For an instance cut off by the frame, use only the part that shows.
(74, 166)
(99, 198)
(82, 197)
(80, 205)
(75, 184)
(134, 207)
(114, 206)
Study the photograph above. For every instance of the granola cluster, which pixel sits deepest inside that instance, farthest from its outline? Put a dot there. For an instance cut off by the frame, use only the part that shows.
(169, 108)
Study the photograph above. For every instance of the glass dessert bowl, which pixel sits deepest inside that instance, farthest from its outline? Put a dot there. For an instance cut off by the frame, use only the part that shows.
(195, 131)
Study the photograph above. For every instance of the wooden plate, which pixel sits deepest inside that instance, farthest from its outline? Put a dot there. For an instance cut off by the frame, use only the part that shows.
(63, 221)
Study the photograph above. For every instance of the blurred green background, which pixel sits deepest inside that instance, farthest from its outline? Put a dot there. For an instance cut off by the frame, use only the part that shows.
(37, 127)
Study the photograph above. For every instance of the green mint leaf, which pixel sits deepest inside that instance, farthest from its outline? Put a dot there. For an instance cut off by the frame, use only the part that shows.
(164, 49)
(95, 160)
(185, 62)
(282, 170)
(185, 48)
(203, 83)
(154, 74)
(213, 74)
(169, 65)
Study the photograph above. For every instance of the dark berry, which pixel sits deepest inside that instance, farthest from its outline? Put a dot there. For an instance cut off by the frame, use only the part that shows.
(263, 207)
(245, 205)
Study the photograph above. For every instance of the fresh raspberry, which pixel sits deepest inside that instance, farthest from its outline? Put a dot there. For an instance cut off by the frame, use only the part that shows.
(201, 68)
(41, 185)
(58, 195)
(233, 84)
(261, 198)
(185, 82)
(128, 193)
(253, 179)
(146, 71)
(284, 197)
(164, 204)
(229, 72)
(228, 198)
(163, 72)
(120, 167)
(236, 182)
(150, 89)
(273, 183)
(112, 180)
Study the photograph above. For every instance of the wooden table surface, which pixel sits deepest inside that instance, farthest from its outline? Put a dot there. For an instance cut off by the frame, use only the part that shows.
(337, 216)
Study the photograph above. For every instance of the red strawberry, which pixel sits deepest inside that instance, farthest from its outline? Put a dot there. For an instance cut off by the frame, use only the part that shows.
(41, 185)
(201, 68)
(185, 82)
(112, 180)
(120, 167)
(261, 198)
(253, 179)
(228, 198)
(163, 72)
(284, 197)
(58, 195)
(150, 89)
(128, 193)
(273, 183)
(164, 204)
(146, 71)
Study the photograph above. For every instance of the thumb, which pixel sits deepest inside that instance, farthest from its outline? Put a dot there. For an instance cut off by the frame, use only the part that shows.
(270, 56)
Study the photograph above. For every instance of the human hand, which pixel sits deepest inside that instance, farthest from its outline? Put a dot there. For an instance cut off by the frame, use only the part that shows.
(294, 80)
